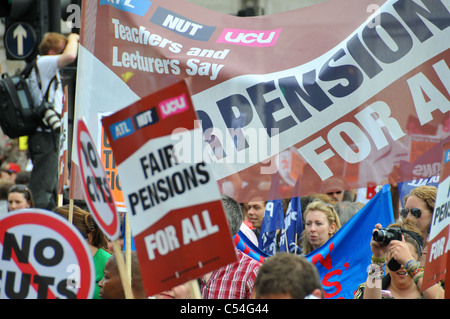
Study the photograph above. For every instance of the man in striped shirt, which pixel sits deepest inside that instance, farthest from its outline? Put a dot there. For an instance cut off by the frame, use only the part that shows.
(235, 280)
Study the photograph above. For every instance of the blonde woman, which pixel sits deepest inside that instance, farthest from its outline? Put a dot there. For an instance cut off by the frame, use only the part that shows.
(321, 222)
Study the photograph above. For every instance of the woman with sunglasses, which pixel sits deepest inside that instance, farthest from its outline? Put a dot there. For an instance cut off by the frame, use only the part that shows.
(419, 205)
(19, 197)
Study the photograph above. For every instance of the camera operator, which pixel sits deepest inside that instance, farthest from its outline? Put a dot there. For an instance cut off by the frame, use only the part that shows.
(55, 52)
(399, 259)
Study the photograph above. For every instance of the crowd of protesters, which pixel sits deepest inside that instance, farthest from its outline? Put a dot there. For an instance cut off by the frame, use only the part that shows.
(248, 278)
(323, 215)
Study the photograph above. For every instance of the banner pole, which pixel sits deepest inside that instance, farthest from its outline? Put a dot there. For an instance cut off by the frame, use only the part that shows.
(60, 199)
(123, 271)
(286, 241)
(128, 245)
(71, 210)
(447, 276)
(194, 288)
(295, 251)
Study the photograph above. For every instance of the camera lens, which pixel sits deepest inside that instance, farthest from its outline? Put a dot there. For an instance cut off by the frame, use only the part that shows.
(52, 119)
(379, 235)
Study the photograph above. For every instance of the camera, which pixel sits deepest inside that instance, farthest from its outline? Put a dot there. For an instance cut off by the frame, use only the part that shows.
(52, 119)
(385, 235)
(49, 116)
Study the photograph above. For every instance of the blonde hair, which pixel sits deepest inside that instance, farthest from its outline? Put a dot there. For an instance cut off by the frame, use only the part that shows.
(425, 193)
(332, 218)
(51, 41)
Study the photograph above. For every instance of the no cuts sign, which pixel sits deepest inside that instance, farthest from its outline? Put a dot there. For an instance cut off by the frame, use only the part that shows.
(176, 216)
(95, 184)
(43, 257)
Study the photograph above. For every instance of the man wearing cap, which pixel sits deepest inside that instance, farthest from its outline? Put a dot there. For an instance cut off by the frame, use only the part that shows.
(9, 172)
(334, 187)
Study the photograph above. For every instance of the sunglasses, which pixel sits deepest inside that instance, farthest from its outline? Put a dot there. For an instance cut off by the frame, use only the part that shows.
(416, 212)
(337, 192)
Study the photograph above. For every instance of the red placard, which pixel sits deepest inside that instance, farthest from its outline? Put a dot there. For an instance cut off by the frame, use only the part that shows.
(45, 256)
(177, 220)
(436, 263)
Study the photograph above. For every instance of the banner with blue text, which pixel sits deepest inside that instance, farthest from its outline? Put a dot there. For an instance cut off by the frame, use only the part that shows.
(344, 89)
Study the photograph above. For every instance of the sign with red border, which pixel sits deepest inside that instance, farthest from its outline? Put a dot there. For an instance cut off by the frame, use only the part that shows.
(436, 264)
(95, 184)
(176, 215)
(43, 256)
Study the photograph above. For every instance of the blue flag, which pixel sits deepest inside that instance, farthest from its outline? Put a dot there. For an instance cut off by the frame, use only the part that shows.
(343, 260)
(272, 221)
(294, 227)
(293, 222)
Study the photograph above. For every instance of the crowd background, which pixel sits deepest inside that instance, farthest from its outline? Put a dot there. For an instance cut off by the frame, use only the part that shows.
(256, 280)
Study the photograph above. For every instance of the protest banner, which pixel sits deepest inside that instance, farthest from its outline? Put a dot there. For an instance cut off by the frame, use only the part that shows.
(177, 221)
(110, 167)
(43, 256)
(95, 184)
(343, 260)
(99, 197)
(334, 82)
(63, 170)
(436, 264)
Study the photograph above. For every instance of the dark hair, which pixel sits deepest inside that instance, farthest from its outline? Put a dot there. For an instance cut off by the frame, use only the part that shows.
(411, 234)
(23, 189)
(4, 189)
(286, 273)
(136, 277)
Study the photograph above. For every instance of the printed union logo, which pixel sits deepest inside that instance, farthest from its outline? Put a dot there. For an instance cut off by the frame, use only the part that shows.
(173, 106)
(133, 6)
(252, 38)
(122, 129)
(146, 118)
(181, 25)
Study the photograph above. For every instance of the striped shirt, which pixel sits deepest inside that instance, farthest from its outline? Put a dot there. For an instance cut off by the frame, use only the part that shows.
(233, 281)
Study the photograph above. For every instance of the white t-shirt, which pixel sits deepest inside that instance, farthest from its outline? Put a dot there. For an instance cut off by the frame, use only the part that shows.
(48, 67)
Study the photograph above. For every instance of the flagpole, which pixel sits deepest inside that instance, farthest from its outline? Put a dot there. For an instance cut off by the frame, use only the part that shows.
(286, 241)
(123, 271)
(195, 289)
(70, 210)
(60, 199)
(128, 244)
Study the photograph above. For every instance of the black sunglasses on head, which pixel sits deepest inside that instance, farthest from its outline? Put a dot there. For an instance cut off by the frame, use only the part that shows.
(416, 212)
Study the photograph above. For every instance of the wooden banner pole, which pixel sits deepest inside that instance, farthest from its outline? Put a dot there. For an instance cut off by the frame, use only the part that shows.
(126, 278)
